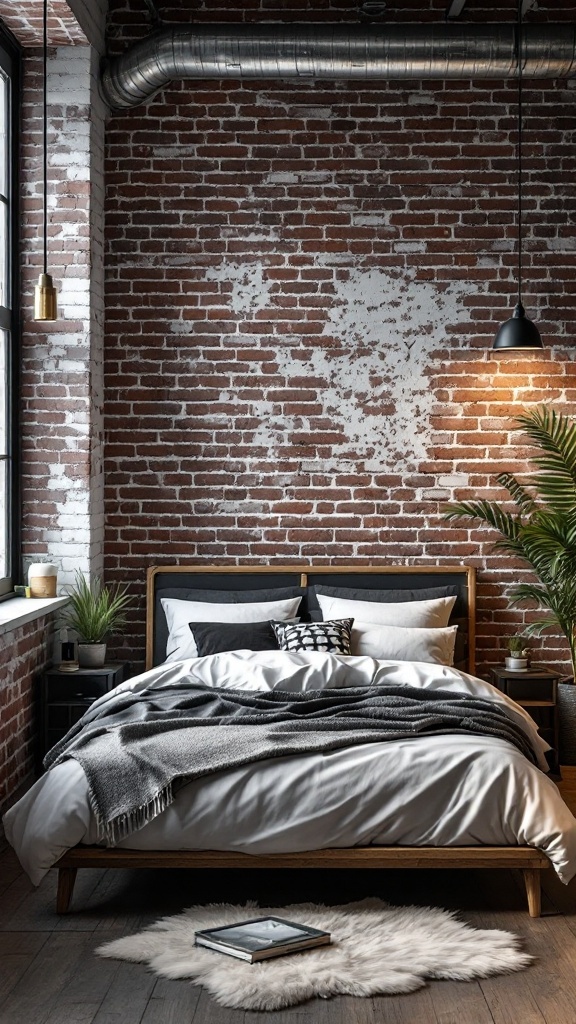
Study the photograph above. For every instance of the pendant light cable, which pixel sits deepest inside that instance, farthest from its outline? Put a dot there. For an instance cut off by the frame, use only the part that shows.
(45, 297)
(518, 332)
(519, 146)
(45, 132)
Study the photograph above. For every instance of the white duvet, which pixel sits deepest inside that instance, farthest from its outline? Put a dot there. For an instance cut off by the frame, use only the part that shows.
(444, 790)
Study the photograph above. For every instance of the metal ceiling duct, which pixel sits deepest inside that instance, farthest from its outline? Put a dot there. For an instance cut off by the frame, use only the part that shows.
(335, 51)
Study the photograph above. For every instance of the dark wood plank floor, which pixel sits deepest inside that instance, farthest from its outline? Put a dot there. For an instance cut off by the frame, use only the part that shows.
(50, 975)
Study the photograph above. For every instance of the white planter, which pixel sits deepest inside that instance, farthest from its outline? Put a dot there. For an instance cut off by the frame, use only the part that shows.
(91, 655)
(519, 664)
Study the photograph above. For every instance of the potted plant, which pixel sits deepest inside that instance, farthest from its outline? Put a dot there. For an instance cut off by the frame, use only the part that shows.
(93, 613)
(518, 653)
(541, 531)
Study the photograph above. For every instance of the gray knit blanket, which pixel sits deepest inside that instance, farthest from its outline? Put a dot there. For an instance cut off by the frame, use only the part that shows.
(137, 749)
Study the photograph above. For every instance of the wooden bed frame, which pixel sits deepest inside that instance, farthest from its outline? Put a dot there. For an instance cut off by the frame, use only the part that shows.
(529, 860)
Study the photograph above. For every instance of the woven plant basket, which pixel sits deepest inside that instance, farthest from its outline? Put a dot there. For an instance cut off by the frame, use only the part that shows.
(567, 712)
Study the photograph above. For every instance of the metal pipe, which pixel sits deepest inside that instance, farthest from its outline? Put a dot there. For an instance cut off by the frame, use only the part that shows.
(337, 51)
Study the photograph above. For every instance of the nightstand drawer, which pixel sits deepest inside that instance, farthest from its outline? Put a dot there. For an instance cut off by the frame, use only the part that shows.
(531, 689)
(72, 686)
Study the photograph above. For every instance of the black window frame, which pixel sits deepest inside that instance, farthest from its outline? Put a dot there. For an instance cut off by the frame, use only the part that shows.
(10, 320)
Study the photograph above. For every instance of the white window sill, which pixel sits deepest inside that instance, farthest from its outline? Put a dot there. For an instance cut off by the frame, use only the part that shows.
(19, 610)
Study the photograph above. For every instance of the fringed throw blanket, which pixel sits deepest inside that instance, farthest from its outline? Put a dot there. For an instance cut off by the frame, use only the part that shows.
(137, 749)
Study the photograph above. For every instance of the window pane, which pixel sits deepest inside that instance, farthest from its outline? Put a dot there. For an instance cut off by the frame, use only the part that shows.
(3, 393)
(4, 116)
(4, 281)
(4, 539)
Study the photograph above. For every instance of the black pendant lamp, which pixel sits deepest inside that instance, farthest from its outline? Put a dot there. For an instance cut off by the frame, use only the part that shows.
(519, 333)
(45, 295)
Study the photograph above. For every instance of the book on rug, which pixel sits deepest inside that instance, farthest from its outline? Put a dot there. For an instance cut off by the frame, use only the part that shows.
(261, 938)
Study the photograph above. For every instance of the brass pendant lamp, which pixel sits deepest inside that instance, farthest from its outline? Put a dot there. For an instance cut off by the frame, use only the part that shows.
(518, 333)
(45, 295)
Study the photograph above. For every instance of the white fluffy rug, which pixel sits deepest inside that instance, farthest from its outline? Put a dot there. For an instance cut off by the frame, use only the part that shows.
(377, 949)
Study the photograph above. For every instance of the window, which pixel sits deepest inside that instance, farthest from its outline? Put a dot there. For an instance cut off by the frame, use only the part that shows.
(9, 326)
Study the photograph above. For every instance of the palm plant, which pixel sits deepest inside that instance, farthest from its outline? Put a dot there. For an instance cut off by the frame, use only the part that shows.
(94, 610)
(542, 529)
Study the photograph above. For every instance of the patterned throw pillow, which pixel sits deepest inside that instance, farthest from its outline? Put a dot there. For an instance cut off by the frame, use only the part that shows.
(333, 636)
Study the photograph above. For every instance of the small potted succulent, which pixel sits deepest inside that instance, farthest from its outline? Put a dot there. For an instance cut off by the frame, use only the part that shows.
(93, 613)
(518, 653)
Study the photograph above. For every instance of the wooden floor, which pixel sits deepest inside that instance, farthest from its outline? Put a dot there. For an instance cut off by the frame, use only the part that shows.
(49, 974)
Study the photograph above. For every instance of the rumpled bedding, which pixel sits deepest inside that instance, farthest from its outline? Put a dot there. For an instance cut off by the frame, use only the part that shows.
(441, 790)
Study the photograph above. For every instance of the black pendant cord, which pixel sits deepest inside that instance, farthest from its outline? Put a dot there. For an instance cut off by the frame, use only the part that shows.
(519, 147)
(45, 135)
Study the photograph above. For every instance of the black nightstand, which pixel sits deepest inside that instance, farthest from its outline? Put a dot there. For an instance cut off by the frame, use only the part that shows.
(536, 690)
(65, 696)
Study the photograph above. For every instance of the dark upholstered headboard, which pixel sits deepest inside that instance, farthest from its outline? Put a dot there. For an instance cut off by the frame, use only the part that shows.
(190, 582)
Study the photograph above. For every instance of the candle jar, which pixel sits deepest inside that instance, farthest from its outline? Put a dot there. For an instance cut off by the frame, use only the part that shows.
(42, 577)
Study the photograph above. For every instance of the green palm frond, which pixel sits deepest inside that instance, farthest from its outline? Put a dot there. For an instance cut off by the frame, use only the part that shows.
(543, 531)
(550, 543)
(515, 489)
(486, 512)
(555, 435)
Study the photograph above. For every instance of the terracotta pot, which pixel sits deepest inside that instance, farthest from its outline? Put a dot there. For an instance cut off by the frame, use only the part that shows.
(91, 655)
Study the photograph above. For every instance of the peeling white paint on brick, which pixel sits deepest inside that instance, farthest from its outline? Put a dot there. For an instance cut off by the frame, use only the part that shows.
(377, 392)
(454, 480)
(250, 289)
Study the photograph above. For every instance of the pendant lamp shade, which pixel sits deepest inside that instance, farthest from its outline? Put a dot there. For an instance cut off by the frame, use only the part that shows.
(45, 294)
(518, 333)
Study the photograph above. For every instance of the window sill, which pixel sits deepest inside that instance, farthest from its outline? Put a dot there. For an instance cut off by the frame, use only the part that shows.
(19, 610)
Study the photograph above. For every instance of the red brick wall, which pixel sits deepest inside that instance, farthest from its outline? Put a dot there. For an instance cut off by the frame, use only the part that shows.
(303, 284)
(24, 654)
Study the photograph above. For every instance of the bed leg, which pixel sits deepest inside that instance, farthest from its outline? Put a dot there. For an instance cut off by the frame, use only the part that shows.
(66, 879)
(533, 891)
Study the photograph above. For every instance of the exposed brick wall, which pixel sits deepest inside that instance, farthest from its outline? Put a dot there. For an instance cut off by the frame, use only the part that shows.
(24, 654)
(303, 283)
(62, 389)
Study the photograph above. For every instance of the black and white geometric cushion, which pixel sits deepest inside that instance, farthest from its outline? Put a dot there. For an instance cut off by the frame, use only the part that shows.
(333, 636)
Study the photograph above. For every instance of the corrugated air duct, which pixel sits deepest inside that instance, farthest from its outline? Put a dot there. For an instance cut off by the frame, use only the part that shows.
(336, 51)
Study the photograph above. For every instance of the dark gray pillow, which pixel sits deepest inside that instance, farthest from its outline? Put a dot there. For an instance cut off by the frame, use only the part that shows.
(217, 637)
(378, 596)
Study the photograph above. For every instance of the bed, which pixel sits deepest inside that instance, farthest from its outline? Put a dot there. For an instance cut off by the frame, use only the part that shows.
(508, 813)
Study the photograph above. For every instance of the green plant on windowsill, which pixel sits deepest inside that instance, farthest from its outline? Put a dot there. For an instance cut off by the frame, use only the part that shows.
(542, 530)
(93, 613)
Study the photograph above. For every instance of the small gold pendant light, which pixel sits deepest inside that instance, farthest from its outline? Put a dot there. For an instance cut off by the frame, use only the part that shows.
(45, 294)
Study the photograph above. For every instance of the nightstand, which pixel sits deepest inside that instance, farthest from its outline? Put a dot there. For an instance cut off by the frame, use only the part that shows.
(65, 696)
(536, 690)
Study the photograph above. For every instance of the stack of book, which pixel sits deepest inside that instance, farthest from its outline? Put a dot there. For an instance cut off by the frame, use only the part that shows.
(262, 938)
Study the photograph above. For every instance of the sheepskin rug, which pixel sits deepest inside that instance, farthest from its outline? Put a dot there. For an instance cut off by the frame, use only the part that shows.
(377, 949)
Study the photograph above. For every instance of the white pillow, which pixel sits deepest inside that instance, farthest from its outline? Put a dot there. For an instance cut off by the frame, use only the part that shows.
(432, 614)
(398, 643)
(179, 614)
